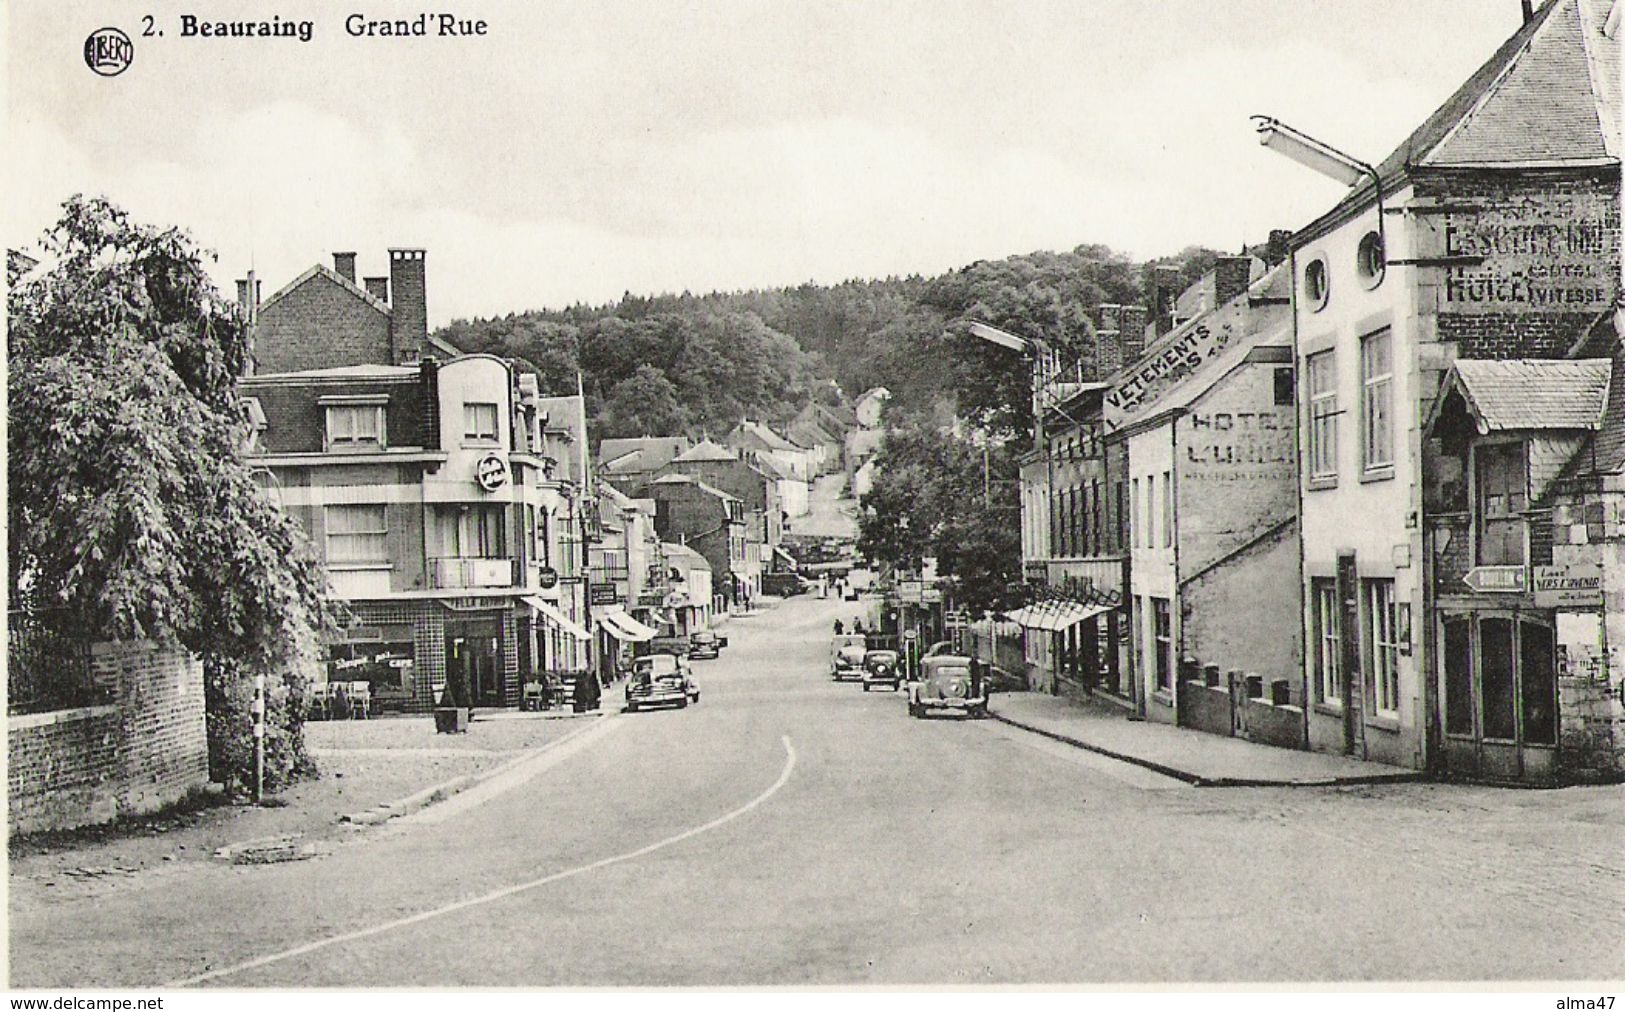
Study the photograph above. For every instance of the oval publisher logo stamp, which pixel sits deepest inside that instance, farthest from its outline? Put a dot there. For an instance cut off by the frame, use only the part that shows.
(108, 52)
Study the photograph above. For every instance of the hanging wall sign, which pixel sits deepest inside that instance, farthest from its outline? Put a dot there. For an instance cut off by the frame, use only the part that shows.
(491, 472)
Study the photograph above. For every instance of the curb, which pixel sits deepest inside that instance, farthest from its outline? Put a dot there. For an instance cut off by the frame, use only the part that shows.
(387, 810)
(1197, 780)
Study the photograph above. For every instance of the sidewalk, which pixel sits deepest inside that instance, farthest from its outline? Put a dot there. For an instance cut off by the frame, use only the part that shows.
(372, 770)
(1196, 757)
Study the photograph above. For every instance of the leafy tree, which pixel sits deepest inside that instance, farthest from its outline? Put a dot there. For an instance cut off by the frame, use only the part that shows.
(131, 514)
(938, 493)
(643, 404)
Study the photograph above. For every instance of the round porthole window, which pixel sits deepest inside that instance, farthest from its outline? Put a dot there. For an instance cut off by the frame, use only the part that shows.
(1371, 259)
(1316, 283)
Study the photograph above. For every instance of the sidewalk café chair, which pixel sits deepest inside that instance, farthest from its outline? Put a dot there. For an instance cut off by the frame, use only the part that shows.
(321, 701)
(360, 699)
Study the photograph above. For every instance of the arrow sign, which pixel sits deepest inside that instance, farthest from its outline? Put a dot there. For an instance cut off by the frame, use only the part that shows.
(1495, 579)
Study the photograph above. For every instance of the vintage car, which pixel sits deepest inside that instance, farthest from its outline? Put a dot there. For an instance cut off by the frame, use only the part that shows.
(846, 656)
(660, 680)
(947, 682)
(703, 645)
(881, 667)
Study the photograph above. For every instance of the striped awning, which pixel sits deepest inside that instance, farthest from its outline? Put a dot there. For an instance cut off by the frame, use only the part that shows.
(624, 627)
(554, 616)
(1055, 616)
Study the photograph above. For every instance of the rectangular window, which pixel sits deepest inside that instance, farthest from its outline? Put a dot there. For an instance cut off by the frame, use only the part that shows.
(1376, 400)
(481, 533)
(544, 550)
(1120, 522)
(1135, 528)
(1500, 499)
(1167, 509)
(1382, 646)
(1163, 631)
(1328, 644)
(355, 426)
(479, 422)
(1322, 416)
(357, 534)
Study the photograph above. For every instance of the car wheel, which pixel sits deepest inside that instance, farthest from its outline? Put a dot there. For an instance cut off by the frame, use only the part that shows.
(682, 704)
(696, 699)
(631, 708)
(865, 686)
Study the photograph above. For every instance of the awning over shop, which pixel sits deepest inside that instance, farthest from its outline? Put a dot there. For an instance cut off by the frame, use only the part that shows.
(788, 559)
(625, 628)
(1055, 616)
(550, 611)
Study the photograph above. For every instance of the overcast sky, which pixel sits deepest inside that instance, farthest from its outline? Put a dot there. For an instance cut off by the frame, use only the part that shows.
(583, 149)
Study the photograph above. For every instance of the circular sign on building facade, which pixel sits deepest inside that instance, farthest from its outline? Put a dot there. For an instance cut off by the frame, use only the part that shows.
(491, 472)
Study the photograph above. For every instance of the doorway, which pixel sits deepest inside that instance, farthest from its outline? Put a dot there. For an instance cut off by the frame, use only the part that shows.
(1499, 702)
(474, 660)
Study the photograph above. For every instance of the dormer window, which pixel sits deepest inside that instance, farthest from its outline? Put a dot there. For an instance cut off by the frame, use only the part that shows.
(355, 424)
(479, 422)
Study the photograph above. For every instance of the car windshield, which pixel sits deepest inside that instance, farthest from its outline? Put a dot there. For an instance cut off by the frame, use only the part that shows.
(659, 664)
(703, 637)
(881, 656)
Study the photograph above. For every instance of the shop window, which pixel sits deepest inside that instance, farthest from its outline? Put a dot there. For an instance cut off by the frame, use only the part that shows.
(1537, 677)
(357, 534)
(1382, 646)
(1328, 644)
(386, 664)
(1499, 501)
(1458, 676)
(1496, 682)
(1316, 284)
(1163, 633)
(1322, 416)
(1376, 401)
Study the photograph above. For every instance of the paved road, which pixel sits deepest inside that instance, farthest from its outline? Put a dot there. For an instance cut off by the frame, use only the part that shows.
(792, 831)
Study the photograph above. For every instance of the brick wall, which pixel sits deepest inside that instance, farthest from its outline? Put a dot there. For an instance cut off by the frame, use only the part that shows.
(147, 749)
(320, 325)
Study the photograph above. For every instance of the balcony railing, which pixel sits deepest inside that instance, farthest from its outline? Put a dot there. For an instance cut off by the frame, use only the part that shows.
(457, 572)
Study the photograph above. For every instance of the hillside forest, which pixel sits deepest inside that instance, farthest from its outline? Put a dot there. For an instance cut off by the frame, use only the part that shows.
(697, 364)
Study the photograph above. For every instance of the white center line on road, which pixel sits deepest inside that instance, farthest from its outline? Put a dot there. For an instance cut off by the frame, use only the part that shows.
(503, 893)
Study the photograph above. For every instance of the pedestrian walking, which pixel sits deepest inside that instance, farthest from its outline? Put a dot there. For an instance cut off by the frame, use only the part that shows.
(839, 628)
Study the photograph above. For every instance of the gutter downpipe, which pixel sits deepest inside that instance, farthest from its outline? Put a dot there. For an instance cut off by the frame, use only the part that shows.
(1300, 385)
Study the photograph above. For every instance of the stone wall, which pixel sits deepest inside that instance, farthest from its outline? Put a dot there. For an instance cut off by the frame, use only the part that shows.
(147, 749)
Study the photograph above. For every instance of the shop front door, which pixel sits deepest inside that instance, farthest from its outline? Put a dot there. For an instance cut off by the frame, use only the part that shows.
(1500, 695)
(474, 654)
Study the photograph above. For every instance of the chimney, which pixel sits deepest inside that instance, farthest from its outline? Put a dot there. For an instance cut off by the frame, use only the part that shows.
(344, 264)
(1279, 246)
(1109, 341)
(1133, 330)
(1231, 275)
(378, 288)
(242, 293)
(409, 315)
(1163, 291)
(1528, 11)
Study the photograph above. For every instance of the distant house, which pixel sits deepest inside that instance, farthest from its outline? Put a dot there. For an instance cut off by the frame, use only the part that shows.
(814, 430)
(749, 477)
(756, 436)
(869, 406)
(632, 463)
(712, 522)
